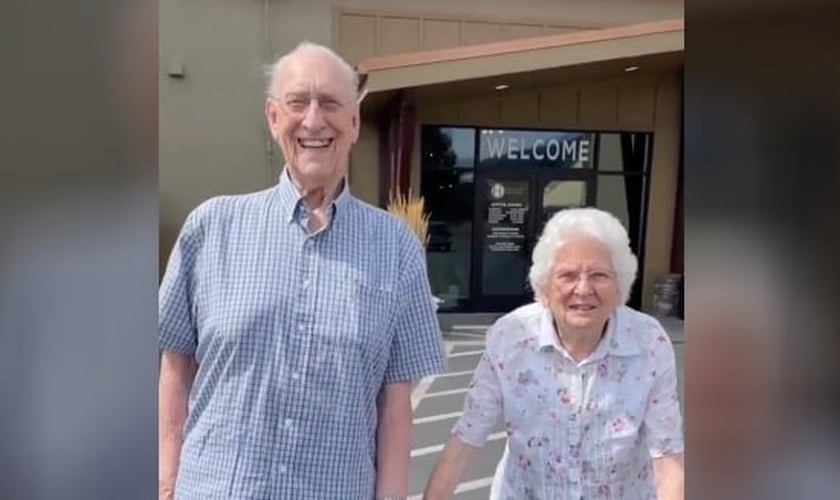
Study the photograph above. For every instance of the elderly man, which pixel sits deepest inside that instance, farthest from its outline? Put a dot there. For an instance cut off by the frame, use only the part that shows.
(293, 320)
(585, 386)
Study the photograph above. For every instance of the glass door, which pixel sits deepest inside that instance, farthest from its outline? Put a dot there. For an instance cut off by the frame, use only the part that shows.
(506, 204)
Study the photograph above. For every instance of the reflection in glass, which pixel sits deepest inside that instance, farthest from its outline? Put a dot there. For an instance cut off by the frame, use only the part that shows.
(612, 197)
(558, 195)
(528, 148)
(609, 153)
(623, 152)
(622, 196)
(448, 156)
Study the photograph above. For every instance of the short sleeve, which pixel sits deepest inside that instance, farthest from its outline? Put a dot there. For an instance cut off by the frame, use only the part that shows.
(417, 345)
(483, 403)
(176, 324)
(663, 419)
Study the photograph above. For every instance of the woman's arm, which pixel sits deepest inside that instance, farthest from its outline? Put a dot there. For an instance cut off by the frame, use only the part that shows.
(483, 408)
(663, 423)
(455, 458)
(669, 475)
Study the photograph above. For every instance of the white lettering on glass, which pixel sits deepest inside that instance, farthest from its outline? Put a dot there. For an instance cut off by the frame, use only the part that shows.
(512, 148)
(584, 150)
(552, 156)
(516, 149)
(524, 155)
(569, 147)
(496, 146)
(538, 156)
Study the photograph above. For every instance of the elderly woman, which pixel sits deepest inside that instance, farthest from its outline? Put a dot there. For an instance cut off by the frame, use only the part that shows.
(584, 385)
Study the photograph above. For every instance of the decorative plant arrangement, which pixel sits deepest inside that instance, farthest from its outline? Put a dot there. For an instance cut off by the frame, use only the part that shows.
(411, 209)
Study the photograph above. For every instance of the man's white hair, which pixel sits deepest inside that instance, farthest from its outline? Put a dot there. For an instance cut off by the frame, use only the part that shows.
(602, 226)
(276, 71)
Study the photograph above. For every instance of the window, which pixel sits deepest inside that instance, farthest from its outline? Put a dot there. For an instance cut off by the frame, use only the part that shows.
(623, 175)
(448, 158)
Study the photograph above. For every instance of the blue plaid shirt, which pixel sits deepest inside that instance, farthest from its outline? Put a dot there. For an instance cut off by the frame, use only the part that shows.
(294, 334)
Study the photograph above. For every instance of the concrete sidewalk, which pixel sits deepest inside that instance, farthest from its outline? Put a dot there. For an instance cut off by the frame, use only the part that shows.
(675, 328)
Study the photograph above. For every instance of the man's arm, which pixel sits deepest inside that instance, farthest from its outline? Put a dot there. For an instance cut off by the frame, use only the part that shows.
(393, 440)
(455, 458)
(177, 372)
(669, 475)
(482, 411)
(416, 351)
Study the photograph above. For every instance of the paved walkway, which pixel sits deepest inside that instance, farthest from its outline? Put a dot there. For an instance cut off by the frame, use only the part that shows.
(437, 402)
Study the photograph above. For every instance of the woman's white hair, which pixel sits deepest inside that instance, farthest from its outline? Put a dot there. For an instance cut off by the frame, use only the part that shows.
(276, 71)
(602, 226)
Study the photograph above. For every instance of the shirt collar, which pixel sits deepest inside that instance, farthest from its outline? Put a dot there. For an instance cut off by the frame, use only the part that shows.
(617, 340)
(546, 336)
(291, 200)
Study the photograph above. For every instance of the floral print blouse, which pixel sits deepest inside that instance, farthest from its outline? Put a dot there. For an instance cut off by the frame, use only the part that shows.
(576, 430)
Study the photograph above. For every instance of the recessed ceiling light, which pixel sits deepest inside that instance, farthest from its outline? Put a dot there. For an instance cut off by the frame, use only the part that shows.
(502, 86)
(631, 68)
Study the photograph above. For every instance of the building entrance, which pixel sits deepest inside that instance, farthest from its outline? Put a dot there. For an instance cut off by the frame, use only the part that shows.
(490, 192)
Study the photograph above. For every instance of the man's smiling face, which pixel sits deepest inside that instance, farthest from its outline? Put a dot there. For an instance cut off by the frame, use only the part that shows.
(314, 117)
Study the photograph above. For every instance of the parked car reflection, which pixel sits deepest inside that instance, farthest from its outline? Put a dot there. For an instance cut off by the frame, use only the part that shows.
(440, 237)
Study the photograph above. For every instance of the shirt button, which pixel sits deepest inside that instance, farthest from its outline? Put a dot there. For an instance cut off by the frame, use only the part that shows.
(295, 376)
(288, 423)
(306, 283)
(301, 327)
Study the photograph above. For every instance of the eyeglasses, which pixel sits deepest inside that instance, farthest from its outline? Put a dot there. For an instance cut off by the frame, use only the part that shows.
(299, 104)
(595, 277)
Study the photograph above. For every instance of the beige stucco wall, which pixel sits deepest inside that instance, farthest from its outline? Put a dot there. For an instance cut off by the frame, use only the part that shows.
(663, 182)
(213, 138)
(364, 164)
(379, 27)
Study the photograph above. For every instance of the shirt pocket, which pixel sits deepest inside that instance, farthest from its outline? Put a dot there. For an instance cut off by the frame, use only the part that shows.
(357, 309)
(353, 334)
